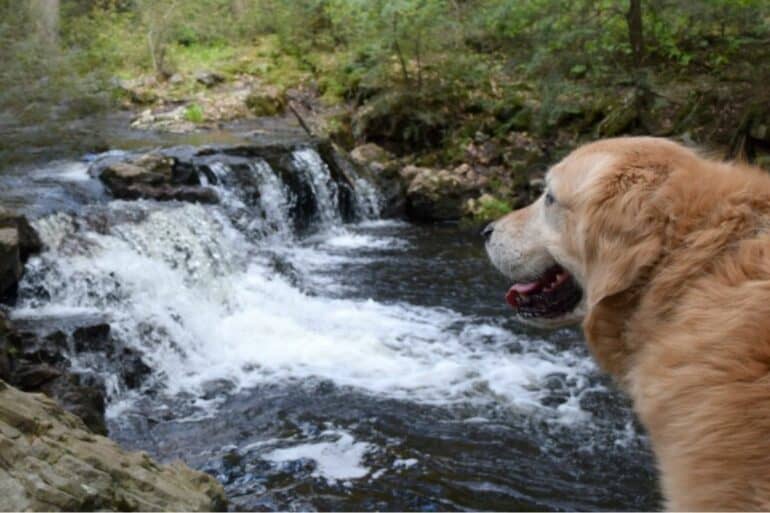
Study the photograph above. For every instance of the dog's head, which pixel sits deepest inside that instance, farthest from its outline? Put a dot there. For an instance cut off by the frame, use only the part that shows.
(591, 234)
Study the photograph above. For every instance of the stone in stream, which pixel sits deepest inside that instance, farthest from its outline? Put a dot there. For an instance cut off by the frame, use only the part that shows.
(133, 368)
(51, 461)
(30, 376)
(82, 396)
(39, 364)
(6, 348)
(155, 176)
(92, 338)
(96, 338)
(29, 240)
(10, 260)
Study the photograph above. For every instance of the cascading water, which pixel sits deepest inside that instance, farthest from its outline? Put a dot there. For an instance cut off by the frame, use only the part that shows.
(297, 344)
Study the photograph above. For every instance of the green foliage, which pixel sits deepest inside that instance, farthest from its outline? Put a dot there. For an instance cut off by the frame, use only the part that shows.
(422, 73)
(487, 208)
(194, 113)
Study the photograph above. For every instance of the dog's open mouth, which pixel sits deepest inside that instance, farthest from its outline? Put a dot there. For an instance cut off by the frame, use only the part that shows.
(553, 294)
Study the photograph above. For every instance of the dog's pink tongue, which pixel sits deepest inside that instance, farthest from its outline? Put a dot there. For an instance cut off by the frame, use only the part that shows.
(518, 289)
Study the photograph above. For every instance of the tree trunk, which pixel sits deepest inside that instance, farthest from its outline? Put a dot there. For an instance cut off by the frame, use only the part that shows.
(45, 16)
(636, 30)
(399, 52)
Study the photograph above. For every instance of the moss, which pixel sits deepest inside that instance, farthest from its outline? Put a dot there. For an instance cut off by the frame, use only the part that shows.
(487, 208)
(194, 113)
(267, 102)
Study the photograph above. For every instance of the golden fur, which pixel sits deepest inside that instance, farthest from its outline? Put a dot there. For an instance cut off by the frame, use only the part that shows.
(673, 254)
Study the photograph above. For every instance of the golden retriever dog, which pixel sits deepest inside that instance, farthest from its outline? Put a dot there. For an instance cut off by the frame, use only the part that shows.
(665, 258)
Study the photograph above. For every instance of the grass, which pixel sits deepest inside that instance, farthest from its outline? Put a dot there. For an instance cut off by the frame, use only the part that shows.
(194, 113)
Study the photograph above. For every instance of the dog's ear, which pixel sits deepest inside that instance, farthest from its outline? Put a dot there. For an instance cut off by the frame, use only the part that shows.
(623, 235)
(622, 241)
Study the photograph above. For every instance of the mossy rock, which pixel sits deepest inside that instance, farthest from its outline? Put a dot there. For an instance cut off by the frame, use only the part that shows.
(486, 208)
(621, 117)
(267, 101)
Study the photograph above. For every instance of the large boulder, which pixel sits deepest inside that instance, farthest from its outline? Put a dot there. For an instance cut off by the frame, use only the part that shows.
(440, 195)
(51, 462)
(29, 240)
(155, 176)
(369, 153)
(10, 260)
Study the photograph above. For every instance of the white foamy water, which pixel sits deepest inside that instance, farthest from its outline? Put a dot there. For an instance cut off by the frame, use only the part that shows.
(337, 460)
(196, 290)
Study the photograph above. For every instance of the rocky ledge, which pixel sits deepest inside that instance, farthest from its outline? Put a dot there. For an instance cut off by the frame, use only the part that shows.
(493, 179)
(154, 176)
(50, 461)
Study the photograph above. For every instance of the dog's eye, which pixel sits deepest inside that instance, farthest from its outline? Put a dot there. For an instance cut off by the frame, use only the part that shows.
(549, 199)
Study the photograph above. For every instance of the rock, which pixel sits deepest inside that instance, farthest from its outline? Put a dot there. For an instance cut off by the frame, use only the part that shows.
(410, 172)
(484, 153)
(137, 91)
(29, 240)
(133, 369)
(92, 338)
(145, 171)
(620, 118)
(209, 78)
(50, 461)
(40, 365)
(80, 396)
(158, 177)
(10, 260)
(5, 349)
(369, 153)
(169, 193)
(440, 195)
(266, 101)
(176, 79)
(173, 120)
(380, 168)
(31, 376)
(50, 349)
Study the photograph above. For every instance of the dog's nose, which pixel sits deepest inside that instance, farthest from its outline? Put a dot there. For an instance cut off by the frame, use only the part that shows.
(486, 232)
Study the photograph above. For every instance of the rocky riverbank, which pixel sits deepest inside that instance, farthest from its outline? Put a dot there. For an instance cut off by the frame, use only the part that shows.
(53, 454)
(485, 166)
(53, 462)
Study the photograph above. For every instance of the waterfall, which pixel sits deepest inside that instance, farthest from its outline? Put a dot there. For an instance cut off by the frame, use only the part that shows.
(249, 291)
